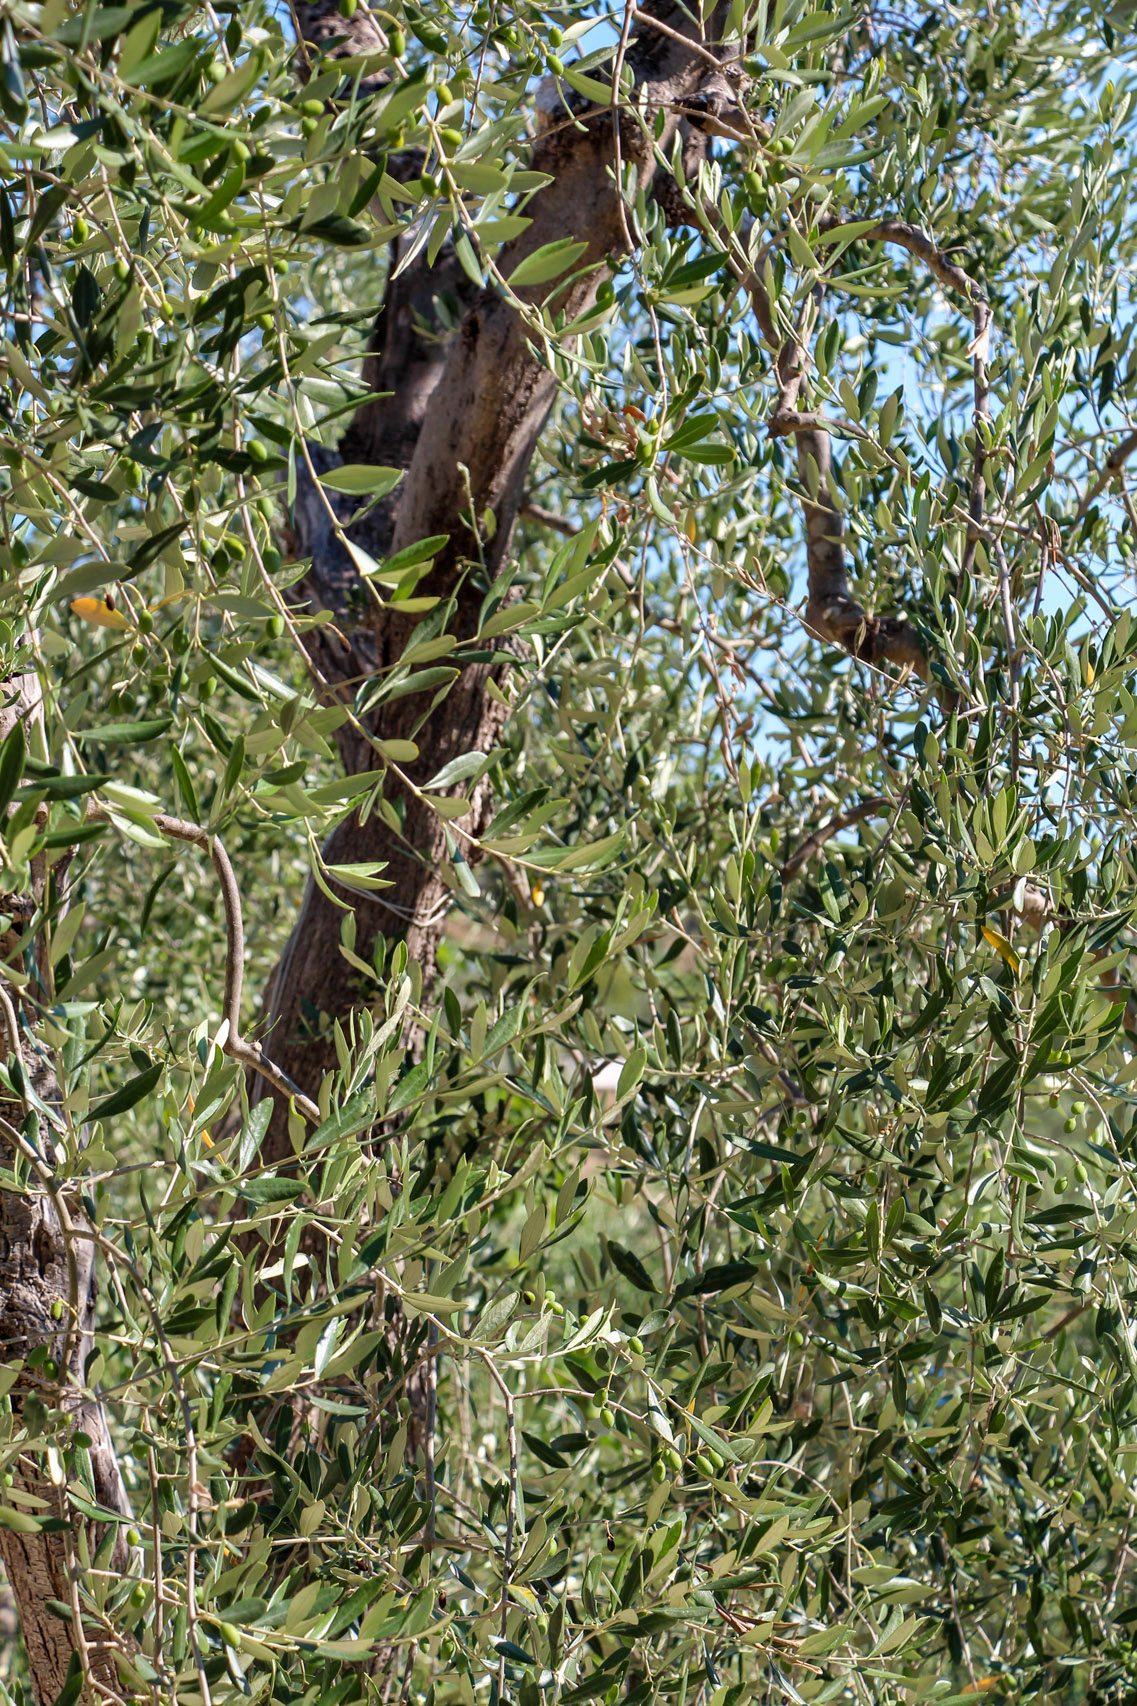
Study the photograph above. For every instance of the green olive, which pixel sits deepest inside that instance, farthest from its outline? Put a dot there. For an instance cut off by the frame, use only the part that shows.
(257, 450)
(608, 1416)
(348, 8)
(452, 138)
(704, 1463)
(636, 1346)
(659, 1471)
(556, 64)
(274, 626)
(314, 109)
(398, 42)
(309, 126)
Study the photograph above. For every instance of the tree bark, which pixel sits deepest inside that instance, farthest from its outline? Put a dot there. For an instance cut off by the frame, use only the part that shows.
(47, 1305)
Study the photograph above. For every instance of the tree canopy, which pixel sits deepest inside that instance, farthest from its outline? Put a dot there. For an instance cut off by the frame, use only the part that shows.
(568, 774)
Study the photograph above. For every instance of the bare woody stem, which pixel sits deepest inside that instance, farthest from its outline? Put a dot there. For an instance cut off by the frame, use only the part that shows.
(250, 1054)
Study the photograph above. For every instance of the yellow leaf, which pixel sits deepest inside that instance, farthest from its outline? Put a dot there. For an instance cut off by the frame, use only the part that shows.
(538, 894)
(1002, 947)
(98, 613)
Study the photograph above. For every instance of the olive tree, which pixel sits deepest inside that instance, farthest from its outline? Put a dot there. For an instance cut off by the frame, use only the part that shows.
(567, 781)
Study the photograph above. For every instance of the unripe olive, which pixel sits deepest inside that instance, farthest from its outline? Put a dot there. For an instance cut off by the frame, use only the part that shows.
(659, 1471)
(672, 1458)
(80, 230)
(257, 450)
(1080, 1172)
(452, 138)
(179, 642)
(230, 1634)
(266, 322)
(274, 626)
(704, 1463)
(138, 1595)
(797, 1338)
(280, 266)
(445, 95)
(271, 558)
(1077, 1107)
(717, 1460)
(556, 65)
(314, 109)
(1061, 1185)
(145, 622)
(133, 1537)
(753, 184)
(57, 1309)
(1070, 1125)
(398, 42)
(139, 654)
(1054, 1099)
(608, 1416)
(309, 126)
(429, 183)
(556, 34)
(122, 269)
(50, 1368)
(556, 1308)
(242, 152)
(1077, 1498)
(592, 1411)
(207, 688)
(348, 8)
(636, 1346)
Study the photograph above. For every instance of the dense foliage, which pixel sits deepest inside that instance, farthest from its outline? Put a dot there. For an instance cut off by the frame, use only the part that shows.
(717, 1283)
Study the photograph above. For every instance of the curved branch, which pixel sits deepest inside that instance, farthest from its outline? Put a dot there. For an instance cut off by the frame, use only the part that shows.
(833, 613)
(230, 1040)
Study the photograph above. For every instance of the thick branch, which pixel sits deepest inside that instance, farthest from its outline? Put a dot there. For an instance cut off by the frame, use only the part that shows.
(462, 415)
